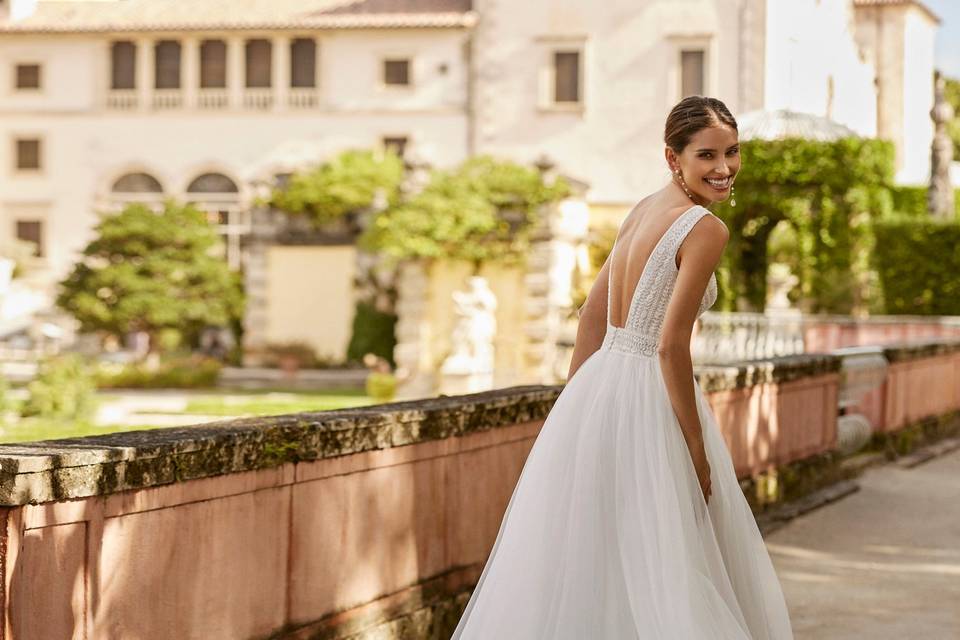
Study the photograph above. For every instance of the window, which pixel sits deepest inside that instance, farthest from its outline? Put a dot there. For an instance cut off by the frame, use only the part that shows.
(566, 74)
(397, 144)
(396, 72)
(28, 153)
(258, 59)
(213, 64)
(137, 183)
(282, 179)
(212, 183)
(31, 231)
(303, 63)
(123, 61)
(561, 60)
(692, 82)
(167, 61)
(28, 76)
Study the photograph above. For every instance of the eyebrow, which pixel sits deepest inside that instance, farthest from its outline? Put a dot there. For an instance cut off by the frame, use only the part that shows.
(712, 149)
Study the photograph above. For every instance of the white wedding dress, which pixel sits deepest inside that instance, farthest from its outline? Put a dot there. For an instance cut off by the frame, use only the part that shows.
(607, 534)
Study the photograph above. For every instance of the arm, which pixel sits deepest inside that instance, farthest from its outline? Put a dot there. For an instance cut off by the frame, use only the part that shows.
(593, 321)
(698, 255)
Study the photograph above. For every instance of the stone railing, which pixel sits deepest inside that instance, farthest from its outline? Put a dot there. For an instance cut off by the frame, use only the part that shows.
(345, 523)
(732, 337)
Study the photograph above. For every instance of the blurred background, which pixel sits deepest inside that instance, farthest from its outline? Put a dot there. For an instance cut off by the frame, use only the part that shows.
(291, 205)
(296, 212)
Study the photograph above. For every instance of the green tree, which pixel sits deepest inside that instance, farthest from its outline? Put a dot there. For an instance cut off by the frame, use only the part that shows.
(483, 210)
(348, 183)
(151, 272)
(828, 192)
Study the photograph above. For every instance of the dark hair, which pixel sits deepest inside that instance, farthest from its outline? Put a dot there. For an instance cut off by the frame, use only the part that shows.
(692, 114)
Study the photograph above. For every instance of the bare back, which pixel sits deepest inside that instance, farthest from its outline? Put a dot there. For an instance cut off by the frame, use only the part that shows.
(641, 231)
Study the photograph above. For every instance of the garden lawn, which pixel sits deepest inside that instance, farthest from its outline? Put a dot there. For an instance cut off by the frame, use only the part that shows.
(273, 404)
(31, 429)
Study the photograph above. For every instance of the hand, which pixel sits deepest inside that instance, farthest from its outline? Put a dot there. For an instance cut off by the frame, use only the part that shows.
(702, 467)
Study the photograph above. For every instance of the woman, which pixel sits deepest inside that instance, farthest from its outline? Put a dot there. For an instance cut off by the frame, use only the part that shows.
(627, 520)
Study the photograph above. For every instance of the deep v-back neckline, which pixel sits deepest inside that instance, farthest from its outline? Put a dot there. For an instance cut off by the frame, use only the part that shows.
(643, 271)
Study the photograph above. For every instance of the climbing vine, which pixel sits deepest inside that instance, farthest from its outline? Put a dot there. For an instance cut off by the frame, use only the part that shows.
(827, 193)
(483, 210)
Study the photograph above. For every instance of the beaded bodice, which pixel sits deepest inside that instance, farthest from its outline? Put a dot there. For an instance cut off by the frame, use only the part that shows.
(640, 334)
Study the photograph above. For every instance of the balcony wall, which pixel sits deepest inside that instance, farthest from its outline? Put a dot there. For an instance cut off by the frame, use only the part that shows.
(323, 524)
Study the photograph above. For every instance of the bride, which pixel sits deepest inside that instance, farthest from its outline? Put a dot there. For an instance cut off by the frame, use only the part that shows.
(627, 521)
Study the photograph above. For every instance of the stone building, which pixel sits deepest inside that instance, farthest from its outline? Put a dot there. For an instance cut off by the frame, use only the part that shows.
(106, 101)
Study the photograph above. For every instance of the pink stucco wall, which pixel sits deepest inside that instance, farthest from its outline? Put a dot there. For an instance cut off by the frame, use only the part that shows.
(773, 424)
(913, 390)
(832, 332)
(249, 554)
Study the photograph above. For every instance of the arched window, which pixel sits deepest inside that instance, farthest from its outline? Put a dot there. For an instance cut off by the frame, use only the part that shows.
(137, 183)
(219, 197)
(212, 183)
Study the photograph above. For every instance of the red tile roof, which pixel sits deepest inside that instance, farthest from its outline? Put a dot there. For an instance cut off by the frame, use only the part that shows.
(60, 16)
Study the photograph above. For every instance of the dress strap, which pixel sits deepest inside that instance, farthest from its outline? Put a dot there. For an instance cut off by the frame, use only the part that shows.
(681, 229)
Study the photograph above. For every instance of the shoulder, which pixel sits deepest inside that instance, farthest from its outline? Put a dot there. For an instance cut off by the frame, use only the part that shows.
(708, 228)
(705, 240)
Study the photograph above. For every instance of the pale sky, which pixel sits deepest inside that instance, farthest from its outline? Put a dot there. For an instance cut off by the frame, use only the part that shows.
(948, 36)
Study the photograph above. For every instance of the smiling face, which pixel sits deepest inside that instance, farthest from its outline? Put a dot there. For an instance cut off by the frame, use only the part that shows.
(708, 164)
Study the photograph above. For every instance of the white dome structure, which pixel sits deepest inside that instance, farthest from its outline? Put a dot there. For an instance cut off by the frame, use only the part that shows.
(775, 125)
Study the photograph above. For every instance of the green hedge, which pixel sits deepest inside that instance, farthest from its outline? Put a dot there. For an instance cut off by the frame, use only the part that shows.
(184, 372)
(373, 332)
(62, 390)
(918, 263)
(912, 201)
(826, 193)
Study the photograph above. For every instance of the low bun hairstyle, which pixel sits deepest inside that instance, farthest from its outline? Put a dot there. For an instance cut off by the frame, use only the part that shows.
(692, 114)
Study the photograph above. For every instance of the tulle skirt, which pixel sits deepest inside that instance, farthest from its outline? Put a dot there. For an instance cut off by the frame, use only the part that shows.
(607, 534)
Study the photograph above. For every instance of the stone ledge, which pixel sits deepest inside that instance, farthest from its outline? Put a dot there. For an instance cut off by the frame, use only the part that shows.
(36, 472)
(748, 373)
(913, 349)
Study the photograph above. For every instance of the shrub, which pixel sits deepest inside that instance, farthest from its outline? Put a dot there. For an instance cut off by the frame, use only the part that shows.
(918, 262)
(7, 403)
(173, 372)
(373, 332)
(380, 386)
(64, 389)
(300, 350)
(911, 202)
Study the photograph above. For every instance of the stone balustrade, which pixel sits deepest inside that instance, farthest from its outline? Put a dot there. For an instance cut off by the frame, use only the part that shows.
(735, 336)
(331, 523)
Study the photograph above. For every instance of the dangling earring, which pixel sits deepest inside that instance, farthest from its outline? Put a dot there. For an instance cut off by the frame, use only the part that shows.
(733, 196)
(683, 184)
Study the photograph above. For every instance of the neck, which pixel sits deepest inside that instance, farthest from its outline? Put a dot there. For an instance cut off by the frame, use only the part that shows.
(696, 199)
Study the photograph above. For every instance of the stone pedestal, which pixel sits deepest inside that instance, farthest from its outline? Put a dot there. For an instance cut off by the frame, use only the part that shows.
(415, 373)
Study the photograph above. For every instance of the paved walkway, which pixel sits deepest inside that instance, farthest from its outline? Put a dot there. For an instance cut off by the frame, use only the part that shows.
(882, 563)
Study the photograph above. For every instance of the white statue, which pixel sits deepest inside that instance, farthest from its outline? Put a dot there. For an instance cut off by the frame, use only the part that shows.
(474, 331)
